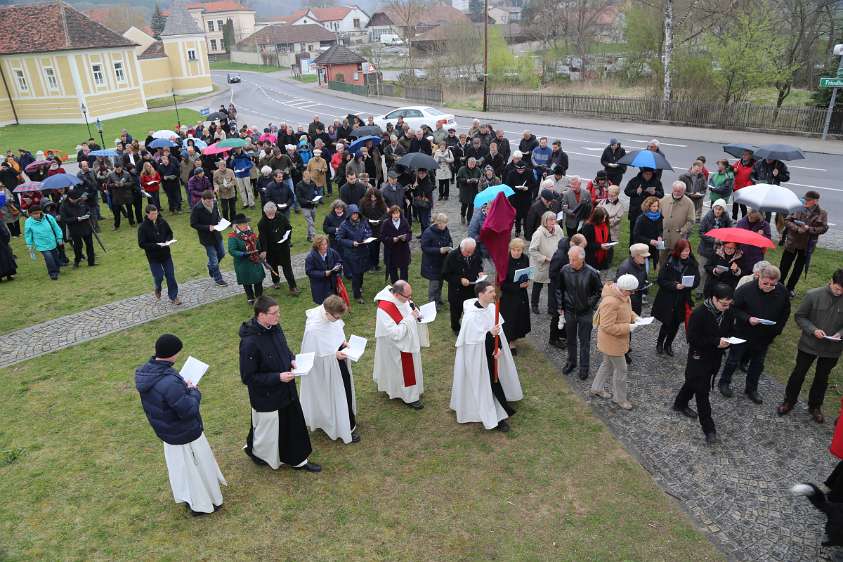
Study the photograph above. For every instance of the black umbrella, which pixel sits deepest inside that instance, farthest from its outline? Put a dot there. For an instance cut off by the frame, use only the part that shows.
(416, 160)
(216, 115)
(365, 131)
(736, 149)
(779, 152)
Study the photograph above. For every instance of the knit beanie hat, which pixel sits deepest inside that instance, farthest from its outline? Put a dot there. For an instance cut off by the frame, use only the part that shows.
(627, 282)
(167, 346)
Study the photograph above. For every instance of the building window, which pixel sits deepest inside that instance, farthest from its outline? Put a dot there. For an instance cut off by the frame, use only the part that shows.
(50, 77)
(213, 44)
(119, 73)
(21, 79)
(99, 79)
(219, 25)
(191, 54)
(356, 23)
(210, 25)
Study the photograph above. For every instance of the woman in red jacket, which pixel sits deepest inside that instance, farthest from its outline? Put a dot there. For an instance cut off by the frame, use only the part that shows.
(150, 181)
(742, 169)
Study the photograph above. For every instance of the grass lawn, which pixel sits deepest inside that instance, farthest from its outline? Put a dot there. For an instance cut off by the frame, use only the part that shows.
(306, 78)
(168, 101)
(228, 65)
(67, 137)
(88, 481)
(122, 271)
(768, 96)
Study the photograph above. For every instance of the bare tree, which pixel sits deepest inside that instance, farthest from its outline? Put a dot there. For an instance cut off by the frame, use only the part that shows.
(406, 16)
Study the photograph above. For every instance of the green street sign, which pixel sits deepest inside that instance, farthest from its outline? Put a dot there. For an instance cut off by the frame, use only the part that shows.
(831, 82)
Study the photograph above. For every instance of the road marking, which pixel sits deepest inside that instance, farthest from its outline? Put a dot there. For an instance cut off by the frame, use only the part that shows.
(583, 154)
(592, 148)
(660, 143)
(815, 187)
(805, 168)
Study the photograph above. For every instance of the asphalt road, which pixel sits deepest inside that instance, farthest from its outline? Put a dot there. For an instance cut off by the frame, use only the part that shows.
(262, 99)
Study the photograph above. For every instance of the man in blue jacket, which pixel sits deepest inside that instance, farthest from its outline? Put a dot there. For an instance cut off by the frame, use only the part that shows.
(171, 405)
(242, 165)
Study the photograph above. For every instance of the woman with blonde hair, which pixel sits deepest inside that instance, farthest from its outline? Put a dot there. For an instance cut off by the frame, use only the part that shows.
(542, 247)
(515, 305)
(150, 181)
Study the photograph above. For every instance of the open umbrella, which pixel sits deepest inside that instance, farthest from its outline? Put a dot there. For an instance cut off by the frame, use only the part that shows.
(106, 152)
(164, 134)
(215, 149)
(416, 160)
(36, 165)
(768, 197)
(741, 236)
(490, 193)
(233, 142)
(366, 130)
(216, 115)
(779, 152)
(268, 137)
(198, 143)
(736, 149)
(355, 146)
(59, 181)
(646, 159)
(161, 143)
(27, 187)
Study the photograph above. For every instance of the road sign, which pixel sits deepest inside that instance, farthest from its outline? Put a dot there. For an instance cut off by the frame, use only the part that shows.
(205, 111)
(99, 125)
(831, 82)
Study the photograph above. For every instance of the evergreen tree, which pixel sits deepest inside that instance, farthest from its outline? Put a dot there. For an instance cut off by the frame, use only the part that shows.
(158, 22)
(228, 35)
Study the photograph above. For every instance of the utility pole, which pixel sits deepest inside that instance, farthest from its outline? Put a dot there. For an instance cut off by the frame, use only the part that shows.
(485, 53)
(178, 118)
(838, 50)
(84, 111)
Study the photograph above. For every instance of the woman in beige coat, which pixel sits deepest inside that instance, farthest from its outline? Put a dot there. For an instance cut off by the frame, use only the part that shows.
(318, 169)
(616, 323)
(542, 247)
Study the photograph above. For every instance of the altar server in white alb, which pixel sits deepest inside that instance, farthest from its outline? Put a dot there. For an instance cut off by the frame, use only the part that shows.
(327, 392)
(398, 368)
(171, 405)
(485, 377)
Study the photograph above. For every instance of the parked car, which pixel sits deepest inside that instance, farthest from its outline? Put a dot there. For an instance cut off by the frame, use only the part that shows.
(391, 39)
(232, 78)
(416, 116)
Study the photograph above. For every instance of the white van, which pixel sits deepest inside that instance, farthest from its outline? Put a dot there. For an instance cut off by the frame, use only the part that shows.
(391, 39)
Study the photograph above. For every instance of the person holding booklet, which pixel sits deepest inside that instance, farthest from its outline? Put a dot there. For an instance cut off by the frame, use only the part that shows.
(353, 236)
(327, 392)
(677, 277)
(462, 267)
(278, 432)
(515, 303)
(244, 247)
(275, 233)
(396, 234)
(398, 367)
(155, 238)
(485, 377)
(205, 219)
(171, 405)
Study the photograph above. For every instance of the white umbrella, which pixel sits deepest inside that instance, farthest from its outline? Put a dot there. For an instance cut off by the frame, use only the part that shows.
(164, 134)
(767, 197)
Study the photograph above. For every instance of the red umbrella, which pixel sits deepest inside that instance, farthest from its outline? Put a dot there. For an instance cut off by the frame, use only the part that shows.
(214, 149)
(741, 236)
(37, 164)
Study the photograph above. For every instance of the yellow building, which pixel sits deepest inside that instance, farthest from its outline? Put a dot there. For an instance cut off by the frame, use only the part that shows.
(56, 62)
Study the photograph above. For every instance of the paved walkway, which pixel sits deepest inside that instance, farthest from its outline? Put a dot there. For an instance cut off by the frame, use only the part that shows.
(736, 491)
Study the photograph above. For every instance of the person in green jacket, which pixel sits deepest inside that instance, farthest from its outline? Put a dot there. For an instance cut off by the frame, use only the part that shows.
(248, 259)
(722, 182)
(42, 233)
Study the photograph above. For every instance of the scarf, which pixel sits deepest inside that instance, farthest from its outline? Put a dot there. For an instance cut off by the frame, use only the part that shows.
(709, 305)
(601, 236)
(653, 215)
(250, 240)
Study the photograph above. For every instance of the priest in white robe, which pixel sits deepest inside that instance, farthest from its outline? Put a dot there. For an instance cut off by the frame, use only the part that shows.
(398, 368)
(327, 392)
(485, 378)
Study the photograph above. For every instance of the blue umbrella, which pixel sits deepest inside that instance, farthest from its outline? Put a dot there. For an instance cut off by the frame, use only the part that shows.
(162, 143)
(108, 152)
(488, 194)
(646, 159)
(59, 181)
(199, 144)
(355, 146)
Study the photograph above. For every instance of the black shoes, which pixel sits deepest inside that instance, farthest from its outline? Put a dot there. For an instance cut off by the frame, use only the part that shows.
(513, 351)
(569, 368)
(583, 375)
(668, 349)
(686, 411)
(628, 358)
(256, 460)
(558, 344)
(726, 390)
(502, 426)
(355, 437)
(417, 405)
(710, 438)
(535, 309)
(754, 396)
(659, 348)
(221, 283)
(309, 467)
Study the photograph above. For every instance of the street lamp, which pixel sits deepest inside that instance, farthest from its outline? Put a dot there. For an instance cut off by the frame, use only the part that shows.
(838, 52)
(178, 119)
(85, 115)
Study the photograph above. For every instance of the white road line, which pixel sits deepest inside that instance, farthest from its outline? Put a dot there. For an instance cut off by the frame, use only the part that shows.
(806, 168)
(582, 154)
(591, 148)
(815, 187)
(660, 143)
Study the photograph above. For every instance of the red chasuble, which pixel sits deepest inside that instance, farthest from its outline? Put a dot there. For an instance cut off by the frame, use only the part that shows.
(406, 358)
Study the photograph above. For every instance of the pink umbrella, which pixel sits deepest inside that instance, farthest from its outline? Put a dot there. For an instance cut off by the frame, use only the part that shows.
(214, 149)
(741, 236)
(27, 187)
(495, 233)
(268, 137)
(37, 164)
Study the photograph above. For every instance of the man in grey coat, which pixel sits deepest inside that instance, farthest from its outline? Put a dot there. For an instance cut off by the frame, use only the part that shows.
(820, 318)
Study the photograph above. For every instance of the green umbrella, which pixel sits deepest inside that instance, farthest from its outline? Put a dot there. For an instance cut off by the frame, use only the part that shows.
(233, 142)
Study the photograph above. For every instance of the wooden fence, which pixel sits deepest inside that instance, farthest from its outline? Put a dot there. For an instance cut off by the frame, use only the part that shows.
(740, 116)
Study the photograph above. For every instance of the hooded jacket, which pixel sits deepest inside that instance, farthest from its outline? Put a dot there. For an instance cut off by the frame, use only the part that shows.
(170, 406)
(264, 355)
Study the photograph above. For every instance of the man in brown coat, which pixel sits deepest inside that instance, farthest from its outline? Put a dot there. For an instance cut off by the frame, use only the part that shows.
(678, 213)
(804, 226)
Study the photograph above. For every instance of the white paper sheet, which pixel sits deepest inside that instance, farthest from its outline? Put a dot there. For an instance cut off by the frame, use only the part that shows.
(721, 268)
(560, 216)
(282, 205)
(356, 347)
(428, 312)
(735, 341)
(660, 245)
(193, 370)
(479, 279)
(168, 242)
(374, 221)
(222, 225)
(688, 280)
(304, 363)
(369, 239)
(147, 195)
(285, 237)
(833, 338)
(610, 244)
(519, 273)
(316, 199)
(640, 321)
(766, 322)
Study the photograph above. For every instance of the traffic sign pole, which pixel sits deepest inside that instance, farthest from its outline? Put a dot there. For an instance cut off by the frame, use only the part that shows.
(832, 101)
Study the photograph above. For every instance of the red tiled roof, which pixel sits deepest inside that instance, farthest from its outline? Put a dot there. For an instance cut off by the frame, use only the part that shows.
(431, 16)
(154, 51)
(213, 7)
(37, 28)
(331, 14)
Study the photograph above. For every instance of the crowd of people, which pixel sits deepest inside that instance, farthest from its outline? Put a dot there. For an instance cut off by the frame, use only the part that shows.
(565, 233)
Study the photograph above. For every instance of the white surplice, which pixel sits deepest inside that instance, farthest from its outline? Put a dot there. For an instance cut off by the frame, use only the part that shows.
(471, 392)
(322, 392)
(391, 340)
(195, 477)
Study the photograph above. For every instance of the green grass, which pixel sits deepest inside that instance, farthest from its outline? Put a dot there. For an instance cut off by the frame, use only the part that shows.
(168, 101)
(122, 271)
(306, 78)
(88, 481)
(67, 137)
(228, 65)
(768, 96)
